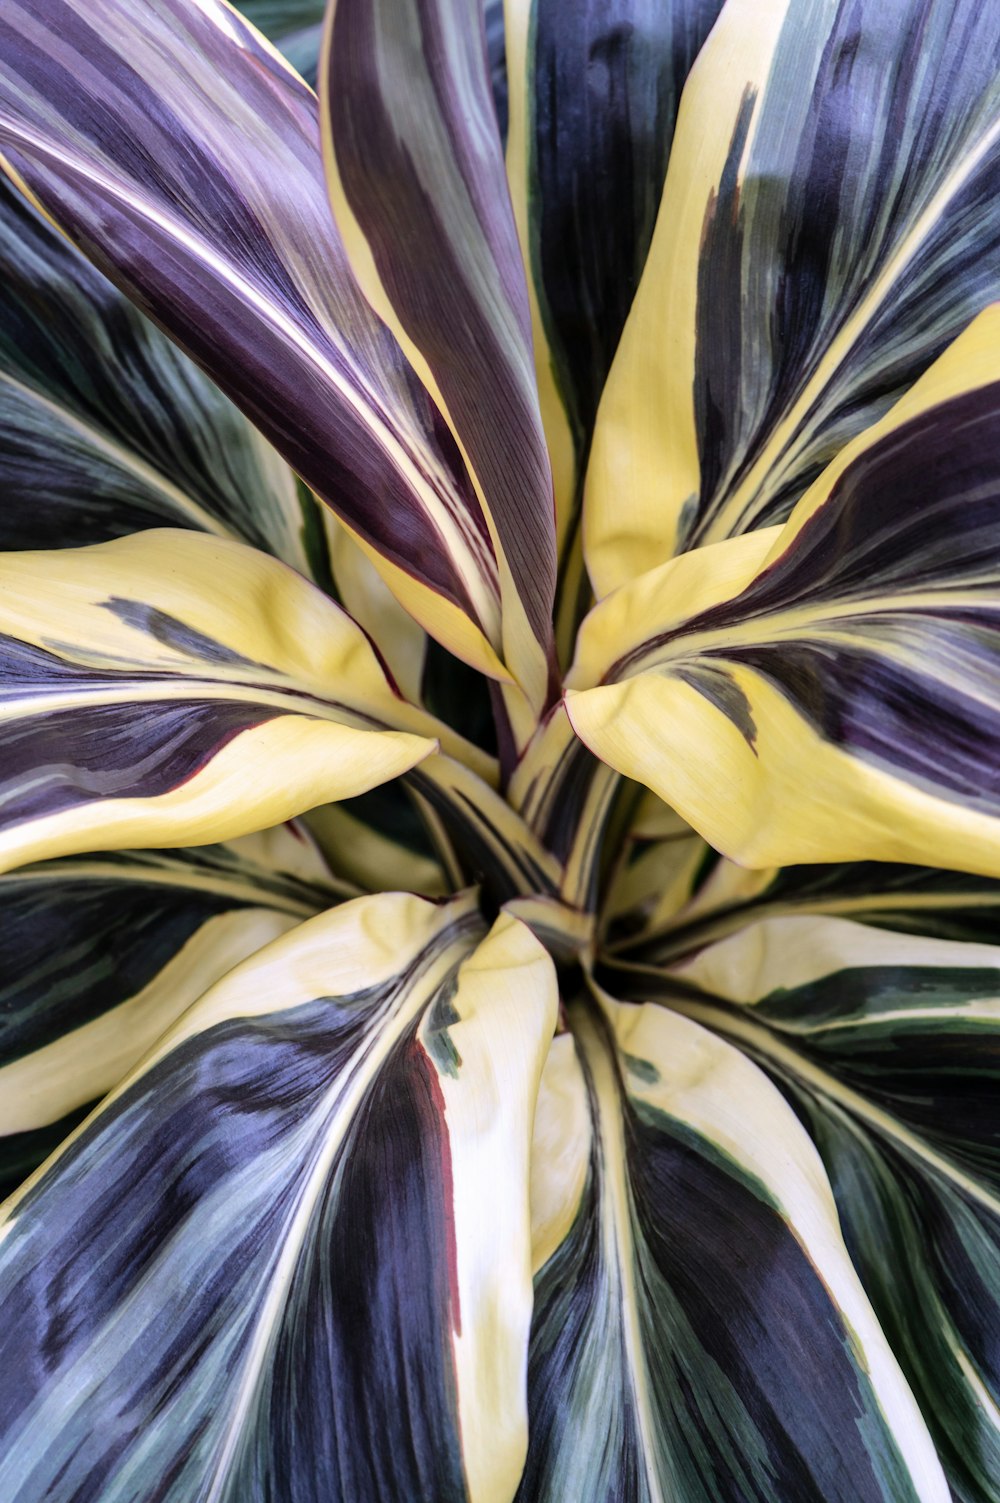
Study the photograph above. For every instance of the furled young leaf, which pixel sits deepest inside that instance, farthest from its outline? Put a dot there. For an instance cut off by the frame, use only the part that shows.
(889, 1046)
(829, 223)
(100, 954)
(699, 1332)
(659, 871)
(417, 183)
(176, 147)
(830, 690)
(108, 429)
(170, 687)
(290, 1256)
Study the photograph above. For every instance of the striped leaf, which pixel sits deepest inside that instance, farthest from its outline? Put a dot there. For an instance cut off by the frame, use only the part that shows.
(170, 688)
(888, 1044)
(294, 26)
(660, 872)
(594, 91)
(829, 224)
(100, 954)
(108, 429)
(290, 1257)
(830, 690)
(417, 183)
(699, 1333)
(723, 898)
(173, 144)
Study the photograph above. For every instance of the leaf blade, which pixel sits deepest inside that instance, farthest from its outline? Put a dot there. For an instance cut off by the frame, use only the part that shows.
(380, 983)
(234, 252)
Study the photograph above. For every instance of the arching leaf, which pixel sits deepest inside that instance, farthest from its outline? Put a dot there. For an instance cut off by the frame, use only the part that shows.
(888, 1045)
(100, 954)
(174, 688)
(830, 690)
(177, 148)
(699, 1333)
(109, 429)
(292, 1252)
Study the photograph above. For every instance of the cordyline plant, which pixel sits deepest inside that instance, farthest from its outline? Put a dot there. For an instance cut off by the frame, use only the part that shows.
(583, 428)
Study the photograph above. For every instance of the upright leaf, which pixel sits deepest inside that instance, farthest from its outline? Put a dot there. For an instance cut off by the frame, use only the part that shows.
(594, 89)
(417, 182)
(829, 224)
(292, 1253)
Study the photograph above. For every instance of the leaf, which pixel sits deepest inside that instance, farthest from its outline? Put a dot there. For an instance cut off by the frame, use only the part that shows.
(100, 954)
(699, 1333)
(827, 691)
(108, 428)
(416, 178)
(143, 704)
(594, 93)
(659, 873)
(911, 899)
(888, 1045)
(295, 28)
(174, 146)
(292, 1252)
(828, 227)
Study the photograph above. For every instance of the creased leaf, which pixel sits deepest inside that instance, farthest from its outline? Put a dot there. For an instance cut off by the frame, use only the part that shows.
(830, 690)
(304, 1219)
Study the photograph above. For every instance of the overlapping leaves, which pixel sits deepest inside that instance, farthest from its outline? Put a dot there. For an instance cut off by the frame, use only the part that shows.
(392, 1209)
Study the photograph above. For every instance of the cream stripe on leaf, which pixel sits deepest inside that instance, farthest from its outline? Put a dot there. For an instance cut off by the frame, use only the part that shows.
(100, 954)
(726, 898)
(305, 1216)
(830, 690)
(170, 688)
(109, 429)
(417, 183)
(594, 91)
(699, 1332)
(178, 147)
(889, 1043)
(294, 26)
(827, 226)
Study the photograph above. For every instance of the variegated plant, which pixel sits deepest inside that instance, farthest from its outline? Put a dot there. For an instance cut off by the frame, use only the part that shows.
(500, 751)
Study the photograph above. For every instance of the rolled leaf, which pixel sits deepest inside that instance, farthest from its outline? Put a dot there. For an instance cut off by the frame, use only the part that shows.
(829, 224)
(888, 1045)
(179, 151)
(830, 690)
(174, 688)
(417, 182)
(100, 954)
(292, 1251)
(699, 1332)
